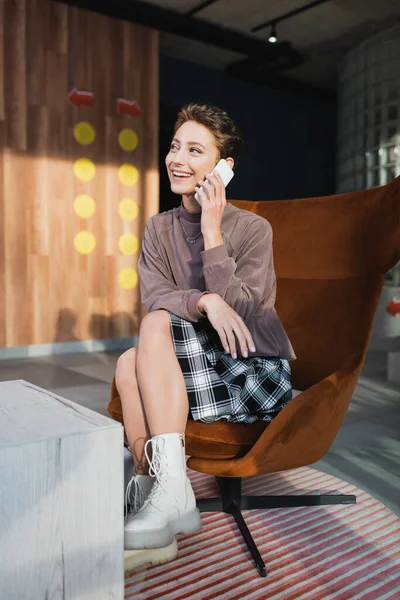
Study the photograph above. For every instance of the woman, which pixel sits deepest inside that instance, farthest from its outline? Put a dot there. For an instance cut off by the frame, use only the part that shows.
(211, 346)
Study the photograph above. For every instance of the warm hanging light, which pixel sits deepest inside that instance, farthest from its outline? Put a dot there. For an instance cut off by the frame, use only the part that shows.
(272, 36)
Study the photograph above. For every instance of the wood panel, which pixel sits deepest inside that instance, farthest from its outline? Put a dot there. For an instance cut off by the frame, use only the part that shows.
(50, 292)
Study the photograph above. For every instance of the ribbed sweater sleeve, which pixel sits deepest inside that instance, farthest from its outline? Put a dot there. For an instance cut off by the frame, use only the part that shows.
(156, 285)
(243, 282)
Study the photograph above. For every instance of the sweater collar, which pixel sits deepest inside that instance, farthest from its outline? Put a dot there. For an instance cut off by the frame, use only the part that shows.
(193, 217)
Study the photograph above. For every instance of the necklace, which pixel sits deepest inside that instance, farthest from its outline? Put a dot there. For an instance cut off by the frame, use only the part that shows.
(189, 239)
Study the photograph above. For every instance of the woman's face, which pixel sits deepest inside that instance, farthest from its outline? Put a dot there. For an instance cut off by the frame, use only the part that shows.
(192, 155)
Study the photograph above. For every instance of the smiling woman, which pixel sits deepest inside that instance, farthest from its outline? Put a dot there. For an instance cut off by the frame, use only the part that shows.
(211, 346)
(202, 136)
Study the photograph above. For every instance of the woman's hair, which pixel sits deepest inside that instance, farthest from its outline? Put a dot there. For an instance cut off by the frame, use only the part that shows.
(226, 135)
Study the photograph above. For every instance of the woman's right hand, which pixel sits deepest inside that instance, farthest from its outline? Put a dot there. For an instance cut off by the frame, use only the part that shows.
(227, 324)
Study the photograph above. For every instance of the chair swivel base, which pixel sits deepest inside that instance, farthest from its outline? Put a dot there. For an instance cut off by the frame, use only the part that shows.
(232, 502)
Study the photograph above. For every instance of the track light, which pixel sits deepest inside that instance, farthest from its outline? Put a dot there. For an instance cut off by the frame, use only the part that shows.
(272, 36)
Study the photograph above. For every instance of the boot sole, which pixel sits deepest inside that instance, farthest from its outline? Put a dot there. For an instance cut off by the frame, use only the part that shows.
(159, 538)
(156, 556)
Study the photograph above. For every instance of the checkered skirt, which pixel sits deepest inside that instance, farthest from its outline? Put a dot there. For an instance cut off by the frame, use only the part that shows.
(241, 390)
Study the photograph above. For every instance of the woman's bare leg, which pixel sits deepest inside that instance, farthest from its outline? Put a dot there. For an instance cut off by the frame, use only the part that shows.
(150, 383)
(159, 376)
(135, 423)
(172, 506)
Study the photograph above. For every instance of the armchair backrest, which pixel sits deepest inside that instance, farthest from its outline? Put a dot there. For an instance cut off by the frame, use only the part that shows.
(331, 255)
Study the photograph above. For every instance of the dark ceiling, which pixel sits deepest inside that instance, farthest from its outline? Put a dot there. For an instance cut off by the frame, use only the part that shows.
(233, 34)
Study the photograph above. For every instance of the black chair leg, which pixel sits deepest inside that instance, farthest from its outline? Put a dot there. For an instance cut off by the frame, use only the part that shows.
(244, 530)
(254, 502)
(232, 502)
(209, 504)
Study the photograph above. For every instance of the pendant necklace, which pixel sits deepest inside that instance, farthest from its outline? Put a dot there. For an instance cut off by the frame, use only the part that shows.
(189, 239)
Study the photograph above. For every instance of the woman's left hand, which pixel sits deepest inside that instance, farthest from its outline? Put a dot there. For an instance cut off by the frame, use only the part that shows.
(213, 201)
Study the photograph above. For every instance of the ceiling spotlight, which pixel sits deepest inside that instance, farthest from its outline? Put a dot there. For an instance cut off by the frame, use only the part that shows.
(272, 37)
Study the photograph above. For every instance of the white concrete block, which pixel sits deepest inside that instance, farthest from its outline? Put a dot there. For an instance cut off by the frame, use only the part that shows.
(61, 498)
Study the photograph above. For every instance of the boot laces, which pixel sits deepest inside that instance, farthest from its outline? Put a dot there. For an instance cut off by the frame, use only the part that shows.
(156, 470)
(133, 497)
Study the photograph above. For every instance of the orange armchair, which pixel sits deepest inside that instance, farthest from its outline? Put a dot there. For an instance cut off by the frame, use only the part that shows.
(331, 255)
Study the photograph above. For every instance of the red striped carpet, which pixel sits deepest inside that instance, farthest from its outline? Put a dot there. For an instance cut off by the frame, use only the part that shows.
(316, 553)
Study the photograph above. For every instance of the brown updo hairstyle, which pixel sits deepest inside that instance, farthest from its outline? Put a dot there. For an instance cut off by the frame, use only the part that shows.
(223, 128)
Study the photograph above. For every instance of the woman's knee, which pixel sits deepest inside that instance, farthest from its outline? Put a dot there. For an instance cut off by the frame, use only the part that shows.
(153, 325)
(126, 367)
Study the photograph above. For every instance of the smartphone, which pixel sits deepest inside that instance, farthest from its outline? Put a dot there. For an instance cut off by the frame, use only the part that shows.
(225, 172)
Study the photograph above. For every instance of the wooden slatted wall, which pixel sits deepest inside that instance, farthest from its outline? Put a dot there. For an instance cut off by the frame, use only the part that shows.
(54, 284)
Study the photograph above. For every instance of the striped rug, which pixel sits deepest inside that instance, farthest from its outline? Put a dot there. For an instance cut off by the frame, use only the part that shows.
(316, 553)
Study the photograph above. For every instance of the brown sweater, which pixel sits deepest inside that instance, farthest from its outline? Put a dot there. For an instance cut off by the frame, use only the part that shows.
(174, 274)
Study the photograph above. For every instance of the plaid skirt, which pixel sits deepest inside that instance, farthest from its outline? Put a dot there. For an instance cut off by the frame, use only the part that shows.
(241, 390)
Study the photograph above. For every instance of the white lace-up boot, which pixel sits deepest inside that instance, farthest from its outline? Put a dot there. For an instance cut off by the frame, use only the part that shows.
(137, 489)
(170, 508)
(136, 493)
(153, 556)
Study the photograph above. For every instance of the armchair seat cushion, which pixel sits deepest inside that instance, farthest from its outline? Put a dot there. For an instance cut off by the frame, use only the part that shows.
(221, 439)
(209, 440)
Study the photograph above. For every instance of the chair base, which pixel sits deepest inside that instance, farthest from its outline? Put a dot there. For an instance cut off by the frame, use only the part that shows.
(232, 502)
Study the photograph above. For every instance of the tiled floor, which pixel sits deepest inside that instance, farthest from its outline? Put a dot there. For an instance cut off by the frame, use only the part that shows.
(366, 451)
